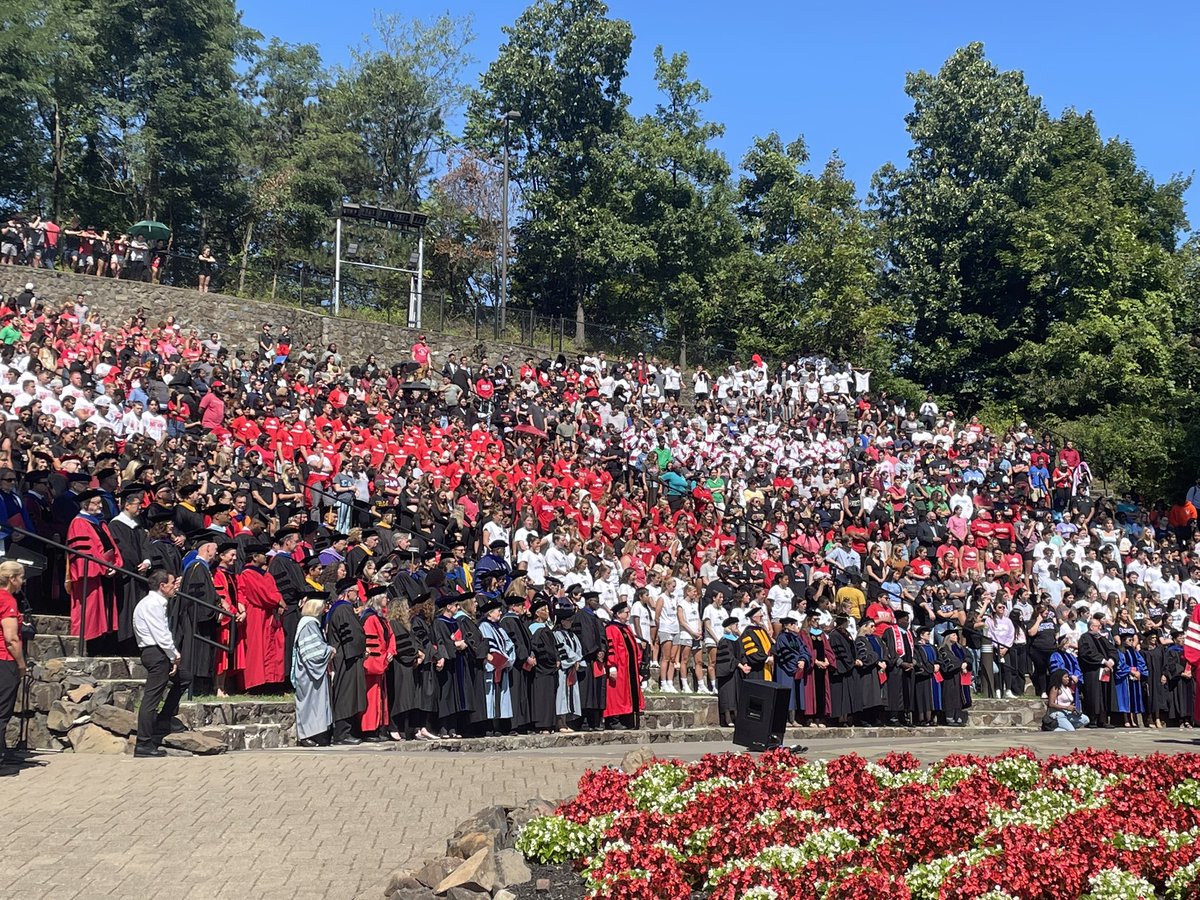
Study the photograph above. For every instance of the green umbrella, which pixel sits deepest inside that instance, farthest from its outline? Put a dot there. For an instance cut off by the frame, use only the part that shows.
(155, 231)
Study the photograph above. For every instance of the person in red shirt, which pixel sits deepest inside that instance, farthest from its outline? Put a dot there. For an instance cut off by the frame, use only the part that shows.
(420, 356)
(12, 656)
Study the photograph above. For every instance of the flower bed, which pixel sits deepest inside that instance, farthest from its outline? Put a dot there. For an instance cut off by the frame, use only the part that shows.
(1091, 824)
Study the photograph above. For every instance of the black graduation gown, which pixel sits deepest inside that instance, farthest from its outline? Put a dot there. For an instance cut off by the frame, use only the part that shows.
(356, 559)
(756, 647)
(344, 631)
(424, 674)
(522, 681)
(545, 678)
(201, 621)
(448, 681)
(1157, 693)
(592, 683)
(789, 652)
(901, 683)
(134, 547)
(843, 698)
(1180, 691)
(475, 659)
(187, 520)
(1094, 650)
(402, 673)
(289, 578)
(956, 696)
(729, 656)
(165, 555)
(871, 693)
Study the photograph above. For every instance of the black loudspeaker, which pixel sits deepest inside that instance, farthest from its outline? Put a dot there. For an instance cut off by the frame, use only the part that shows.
(762, 715)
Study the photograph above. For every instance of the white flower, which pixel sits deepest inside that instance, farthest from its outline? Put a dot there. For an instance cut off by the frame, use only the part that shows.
(1017, 772)
(810, 777)
(1117, 884)
(1180, 882)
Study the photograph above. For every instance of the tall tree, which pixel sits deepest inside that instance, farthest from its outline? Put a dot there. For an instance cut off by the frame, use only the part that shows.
(812, 286)
(979, 143)
(683, 204)
(561, 68)
(398, 96)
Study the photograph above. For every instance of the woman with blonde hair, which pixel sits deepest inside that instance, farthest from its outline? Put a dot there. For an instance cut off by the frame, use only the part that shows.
(311, 661)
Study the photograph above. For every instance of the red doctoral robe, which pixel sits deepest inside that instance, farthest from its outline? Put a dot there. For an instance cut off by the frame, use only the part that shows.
(101, 598)
(263, 662)
(227, 593)
(624, 693)
(381, 647)
(1191, 653)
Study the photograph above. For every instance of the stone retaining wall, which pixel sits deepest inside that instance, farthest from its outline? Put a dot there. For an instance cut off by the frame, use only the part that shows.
(239, 321)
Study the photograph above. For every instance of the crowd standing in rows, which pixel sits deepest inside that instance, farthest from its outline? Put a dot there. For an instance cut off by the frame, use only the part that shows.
(507, 544)
(42, 243)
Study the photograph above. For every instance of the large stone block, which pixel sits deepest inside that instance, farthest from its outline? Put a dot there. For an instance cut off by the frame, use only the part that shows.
(486, 830)
(64, 715)
(194, 742)
(94, 739)
(511, 868)
(476, 874)
(114, 719)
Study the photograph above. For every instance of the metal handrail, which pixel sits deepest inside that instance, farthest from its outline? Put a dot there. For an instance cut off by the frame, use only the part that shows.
(195, 601)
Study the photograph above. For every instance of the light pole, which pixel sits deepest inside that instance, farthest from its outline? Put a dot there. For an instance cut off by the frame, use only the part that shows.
(507, 118)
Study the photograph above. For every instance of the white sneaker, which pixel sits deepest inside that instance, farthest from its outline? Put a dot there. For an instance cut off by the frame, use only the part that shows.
(666, 688)
(712, 690)
(1044, 697)
(1009, 695)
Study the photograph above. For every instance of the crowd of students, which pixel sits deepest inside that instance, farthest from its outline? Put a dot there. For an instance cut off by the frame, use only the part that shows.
(709, 532)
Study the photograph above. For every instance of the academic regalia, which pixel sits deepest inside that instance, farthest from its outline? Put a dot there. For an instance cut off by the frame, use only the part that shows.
(1120, 684)
(403, 691)
(425, 675)
(187, 519)
(135, 548)
(502, 654)
(87, 534)
(345, 633)
(593, 675)
(901, 683)
(623, 693)
(927, 690)
(522, 678)
(1136, 663)
(263, 629)
(289, 578)
(449, 681)
(165, 555)
(310, 675)
(381, 646)
(474, 665)
(871, 692)
(729, 657)
(1094, 650)
(1180, 691)
(956, 696)
(843, 696)
(545, 676)
(199, 657)
(1156, 691)
(792, 661)
(356, 558)
(815, 682)
(570, 655)
(756, 647)
(225, 584)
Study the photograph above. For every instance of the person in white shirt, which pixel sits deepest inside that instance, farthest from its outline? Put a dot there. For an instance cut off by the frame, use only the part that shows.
(161, 658)
(1111, 583)
(535, 561)
(154, 424)
(559, 559)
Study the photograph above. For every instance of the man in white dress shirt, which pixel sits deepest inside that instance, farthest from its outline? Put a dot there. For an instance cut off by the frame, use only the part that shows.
(161, 659)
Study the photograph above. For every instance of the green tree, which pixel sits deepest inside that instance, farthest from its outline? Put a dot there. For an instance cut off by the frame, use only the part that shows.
(295, 163)
(948, 220)
(812, 285)
(683, 204)
(398, 97)
(561, 68)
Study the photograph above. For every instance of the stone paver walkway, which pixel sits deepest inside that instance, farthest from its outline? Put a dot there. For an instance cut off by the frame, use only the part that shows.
(324, 825)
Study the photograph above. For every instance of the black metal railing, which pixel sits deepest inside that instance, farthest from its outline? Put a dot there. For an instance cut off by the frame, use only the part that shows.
(137, 576)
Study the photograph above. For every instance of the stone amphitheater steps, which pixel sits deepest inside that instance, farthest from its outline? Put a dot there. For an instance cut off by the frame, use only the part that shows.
(52, 624)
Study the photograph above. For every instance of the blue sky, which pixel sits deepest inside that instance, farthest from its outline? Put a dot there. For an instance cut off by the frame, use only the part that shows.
(834, 72)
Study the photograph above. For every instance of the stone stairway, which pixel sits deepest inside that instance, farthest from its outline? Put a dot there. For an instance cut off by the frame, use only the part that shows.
(89, 705)
(84, 704)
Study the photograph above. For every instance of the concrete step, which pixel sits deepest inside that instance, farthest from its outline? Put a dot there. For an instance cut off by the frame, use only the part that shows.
(269, 736)
(203, 714)
(673, 718)
(98, 667)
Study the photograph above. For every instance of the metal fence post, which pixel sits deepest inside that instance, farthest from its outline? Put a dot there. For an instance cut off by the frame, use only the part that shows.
(83, 604)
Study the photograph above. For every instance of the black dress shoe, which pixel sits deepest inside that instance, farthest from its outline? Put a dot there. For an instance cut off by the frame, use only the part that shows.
(348, 740)
(149, 751)
(308, 742)
(373, 739)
